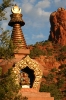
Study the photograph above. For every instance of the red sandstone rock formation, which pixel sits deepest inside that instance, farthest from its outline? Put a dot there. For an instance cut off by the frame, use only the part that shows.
(58, 26)
(48, 62)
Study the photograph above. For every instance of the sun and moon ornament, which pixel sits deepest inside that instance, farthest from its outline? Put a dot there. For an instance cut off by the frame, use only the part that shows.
(16, 9)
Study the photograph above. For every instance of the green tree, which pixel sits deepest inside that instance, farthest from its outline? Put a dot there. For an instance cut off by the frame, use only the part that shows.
(55, 83)
(0, 71)
(49, 77)
(6, 45)
(8, 89)
(36, 52)
(54, 91)
(3, 6)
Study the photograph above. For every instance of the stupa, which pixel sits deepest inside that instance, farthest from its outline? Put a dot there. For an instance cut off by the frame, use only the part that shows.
(17, 35)
(25, 64)
(27, 71)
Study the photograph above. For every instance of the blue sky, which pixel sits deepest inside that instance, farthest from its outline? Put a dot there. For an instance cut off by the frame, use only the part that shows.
(36, 15)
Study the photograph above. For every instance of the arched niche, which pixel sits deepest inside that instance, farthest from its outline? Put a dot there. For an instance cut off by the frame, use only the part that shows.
(31, 65)
(30, 73)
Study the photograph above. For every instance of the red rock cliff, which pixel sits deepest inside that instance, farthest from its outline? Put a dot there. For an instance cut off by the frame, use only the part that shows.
(58, 26)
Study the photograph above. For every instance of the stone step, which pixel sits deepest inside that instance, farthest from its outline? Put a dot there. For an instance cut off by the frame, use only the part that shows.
(31, 90)
(33, 94)
(40, 98)
(38, 94)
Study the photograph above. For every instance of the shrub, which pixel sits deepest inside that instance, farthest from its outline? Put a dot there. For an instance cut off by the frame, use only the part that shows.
(36, 52)
(61, 57)
(63, 49)
(49, 77)
(8, 89)
(54, 91)
(53, 70)
(0, 71)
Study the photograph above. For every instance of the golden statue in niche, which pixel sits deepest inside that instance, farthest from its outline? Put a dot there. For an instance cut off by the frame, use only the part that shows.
(24, 80)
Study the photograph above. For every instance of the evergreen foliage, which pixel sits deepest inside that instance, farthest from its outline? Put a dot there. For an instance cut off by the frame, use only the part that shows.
(36, 52)
(0, 71)
(55, 83)
(6, 45)
(3, 6)
(8, 89)
(54, 91)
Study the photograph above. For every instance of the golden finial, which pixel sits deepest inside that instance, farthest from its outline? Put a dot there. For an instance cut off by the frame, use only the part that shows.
(15, 9)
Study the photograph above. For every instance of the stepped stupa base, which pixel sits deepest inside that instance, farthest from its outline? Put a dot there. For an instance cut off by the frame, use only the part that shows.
(21, 53)
(33, 94)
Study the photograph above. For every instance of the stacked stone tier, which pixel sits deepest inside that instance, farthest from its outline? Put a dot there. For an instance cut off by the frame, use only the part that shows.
(16, 18)
(18, 37)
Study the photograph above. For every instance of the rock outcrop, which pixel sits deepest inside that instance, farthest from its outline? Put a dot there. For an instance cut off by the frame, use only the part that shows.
(48, 62)
(58, 26)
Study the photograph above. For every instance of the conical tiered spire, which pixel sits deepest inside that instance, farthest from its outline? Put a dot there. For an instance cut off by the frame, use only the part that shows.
(16, 22)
